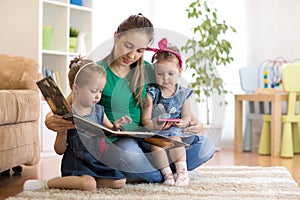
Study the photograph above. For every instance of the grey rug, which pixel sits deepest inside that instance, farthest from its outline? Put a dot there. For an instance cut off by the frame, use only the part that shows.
(207, 182)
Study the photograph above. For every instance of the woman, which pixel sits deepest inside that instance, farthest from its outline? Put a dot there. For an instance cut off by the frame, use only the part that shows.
(127, 77)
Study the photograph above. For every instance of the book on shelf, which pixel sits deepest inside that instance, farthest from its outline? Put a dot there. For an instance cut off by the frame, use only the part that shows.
(60, 106)
(54, 74)
(57, 78)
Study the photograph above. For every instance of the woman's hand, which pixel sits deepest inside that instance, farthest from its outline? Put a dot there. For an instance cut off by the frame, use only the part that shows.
(60, 144)
(58, 124)
(194, 126)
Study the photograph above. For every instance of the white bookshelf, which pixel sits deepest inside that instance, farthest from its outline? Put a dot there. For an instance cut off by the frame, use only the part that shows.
(22, 34)
(61, 15)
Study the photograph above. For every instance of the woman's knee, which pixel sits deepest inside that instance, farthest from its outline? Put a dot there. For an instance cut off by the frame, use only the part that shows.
(129, 145)
(208, 147)
(200, 152)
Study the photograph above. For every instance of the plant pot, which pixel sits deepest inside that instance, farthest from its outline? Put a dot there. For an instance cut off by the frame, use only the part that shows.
(81, 46)
(47, 37)
(72, 45)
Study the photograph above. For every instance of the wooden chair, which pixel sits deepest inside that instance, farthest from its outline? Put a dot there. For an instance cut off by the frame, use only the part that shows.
(249, 80)
(290, 140)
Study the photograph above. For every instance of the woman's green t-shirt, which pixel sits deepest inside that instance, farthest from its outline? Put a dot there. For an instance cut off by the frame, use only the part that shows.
(118, 99)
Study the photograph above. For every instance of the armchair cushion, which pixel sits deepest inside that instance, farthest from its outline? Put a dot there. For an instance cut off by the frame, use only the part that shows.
(18, 106)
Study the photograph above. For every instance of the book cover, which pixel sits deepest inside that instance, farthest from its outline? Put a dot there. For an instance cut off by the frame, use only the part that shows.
(54, 97)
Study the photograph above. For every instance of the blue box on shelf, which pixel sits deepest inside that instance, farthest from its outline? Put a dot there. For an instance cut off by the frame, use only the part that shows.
(76, 2)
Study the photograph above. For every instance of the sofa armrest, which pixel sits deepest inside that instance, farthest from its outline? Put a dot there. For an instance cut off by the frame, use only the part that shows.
(18, 72)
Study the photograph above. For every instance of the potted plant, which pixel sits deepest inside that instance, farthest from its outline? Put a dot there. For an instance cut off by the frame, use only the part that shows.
(73, 38)
(206, 50)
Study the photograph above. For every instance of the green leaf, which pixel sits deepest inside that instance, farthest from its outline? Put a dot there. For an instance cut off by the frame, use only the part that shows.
(208, 49)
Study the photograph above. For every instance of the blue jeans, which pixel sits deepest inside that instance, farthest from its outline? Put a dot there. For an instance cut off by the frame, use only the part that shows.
(135, 160)
(201, 150)
(126, 156)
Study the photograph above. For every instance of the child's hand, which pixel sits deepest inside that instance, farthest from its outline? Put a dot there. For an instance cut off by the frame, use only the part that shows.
(161, 125)
(121, 122)
(178, 124)
(158, 125)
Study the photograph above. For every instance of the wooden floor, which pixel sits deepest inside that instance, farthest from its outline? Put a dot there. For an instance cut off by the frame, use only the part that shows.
(50, 167)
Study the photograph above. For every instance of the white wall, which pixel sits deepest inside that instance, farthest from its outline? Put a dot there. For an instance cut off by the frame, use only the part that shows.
(273, 30)
(13, 38)
(265, 30)
(109, 14)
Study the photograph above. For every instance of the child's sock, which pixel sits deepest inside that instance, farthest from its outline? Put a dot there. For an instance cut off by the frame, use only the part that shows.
(168, 176)
(182, 178)
(35, 184)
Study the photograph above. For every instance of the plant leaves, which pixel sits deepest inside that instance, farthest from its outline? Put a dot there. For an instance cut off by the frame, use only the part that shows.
(209, 50)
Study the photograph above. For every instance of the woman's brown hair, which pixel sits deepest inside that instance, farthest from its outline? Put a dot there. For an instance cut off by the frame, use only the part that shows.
(137, 74)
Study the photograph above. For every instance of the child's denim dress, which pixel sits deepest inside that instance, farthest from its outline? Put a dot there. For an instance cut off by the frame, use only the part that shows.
(81, 156)
(170, 107)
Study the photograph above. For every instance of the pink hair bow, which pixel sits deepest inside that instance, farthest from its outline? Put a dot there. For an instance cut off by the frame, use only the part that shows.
(163, 47)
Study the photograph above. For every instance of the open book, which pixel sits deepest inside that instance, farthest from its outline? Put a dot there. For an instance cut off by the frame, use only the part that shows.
(60, 106)
(92, 129)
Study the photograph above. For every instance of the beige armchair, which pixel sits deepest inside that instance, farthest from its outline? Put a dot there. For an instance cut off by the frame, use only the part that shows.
(19, 113)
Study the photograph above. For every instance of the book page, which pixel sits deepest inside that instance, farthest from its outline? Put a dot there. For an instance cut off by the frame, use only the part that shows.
(87, 125)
